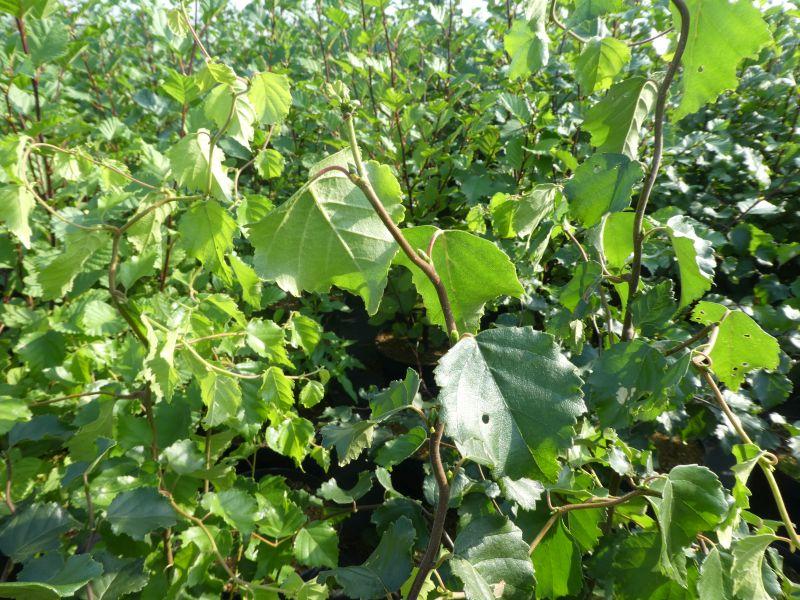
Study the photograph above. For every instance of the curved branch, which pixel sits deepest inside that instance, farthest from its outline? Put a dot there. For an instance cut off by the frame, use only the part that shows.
(628, 331)
(554, 18)
(651, 38)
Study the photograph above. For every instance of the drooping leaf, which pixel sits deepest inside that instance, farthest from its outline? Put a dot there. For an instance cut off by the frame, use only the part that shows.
(222, 396)
(600, 61)
(67, 577)
(344, 241)
(527, 43)
(741, 345)
(207, 234)
(692, 501)
(715, 581)
(234, 506)
(291, 437)
(232, 110)
(271, 97)
(34, 529)
(140, 511)
(349, 439)
(695, 259)
(509, 400)
(520, 216)
(197, 168)
(603, 184)
(16, 204)
(557, 563)
(616, 120)
(457, 256)
(748, 560)
(401, 447)
(385, 570)
(721, 35)
(491, 560)
(330, 490)
(317, 545)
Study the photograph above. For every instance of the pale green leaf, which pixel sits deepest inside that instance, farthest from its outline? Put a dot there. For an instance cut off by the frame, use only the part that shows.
(292, 437)
(271, 97)
(197, 168)
(317, 545)
(557, 563)
(232, 111)
(16, 204)
(222, 396)
(269, 163)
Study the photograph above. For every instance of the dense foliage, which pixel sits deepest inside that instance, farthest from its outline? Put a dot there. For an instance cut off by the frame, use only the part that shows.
(379, 299)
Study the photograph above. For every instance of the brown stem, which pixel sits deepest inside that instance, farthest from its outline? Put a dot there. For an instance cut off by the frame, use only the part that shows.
(9, 474)
(695, 338)
(439, 474)
(628, 330)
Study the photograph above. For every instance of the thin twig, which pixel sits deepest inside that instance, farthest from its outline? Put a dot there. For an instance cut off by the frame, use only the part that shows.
(628, 330)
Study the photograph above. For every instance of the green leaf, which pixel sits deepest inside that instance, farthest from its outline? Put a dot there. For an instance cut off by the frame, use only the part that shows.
(747, 457)
(491, 560)
(635, 570)
(600, 61)
(653, 308)
(525, 492)
(140, 511)
(304, 332)
(120, 577)
(349, 439)
(589, 10)
(601, 185)
(215, 72)
(16, 204)
(623, 375)
(582, 287)
(557, 563)
(520, 216)
(721, 34)
(248, 279)
(234, 506)
(197, 168)
(57, 277)
(692, 501)
(292, 438)
(615, 121)
(65, 577)
(28, 591)
(206, 231)
(47, 40)
(311, 394)
(695, 259)
(741, 345)
(330, 490)
(509, 400)
(386, 569)
(276, 391)
(715, 582)
(271, 97)
(344, 241)
(182, 88)
(222, 396)
(233, 111)
(317, 545)
(159, 364)
(34, 529)
(183, 457)
(267, 339)
(748, 561)
(401, 447)
(527, 42)
(457, 256)
(269, 163)
(400, 394)
(617, 236)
